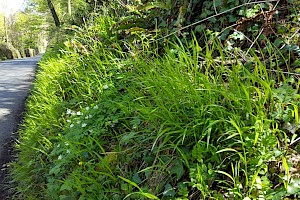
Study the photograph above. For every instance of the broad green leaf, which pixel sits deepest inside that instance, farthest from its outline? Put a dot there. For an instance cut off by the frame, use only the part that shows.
(169, 191)
(177, 169)
(65, 186)
(218, 3)
(136, 178)
(126, 138)
(55, 170)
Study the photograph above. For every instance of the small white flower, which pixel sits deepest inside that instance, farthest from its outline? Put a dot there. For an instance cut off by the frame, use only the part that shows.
(71, 125)
(96, 107)
(73, 113)
(90, 131)
(60, 157)
(78, 122)
(83, 125)
(86, 117)
(66, 143)
(105, 86)
(69, 111)
(68, 120)
(78, 113)
(68, 151)
(87, 108)
(58, 145)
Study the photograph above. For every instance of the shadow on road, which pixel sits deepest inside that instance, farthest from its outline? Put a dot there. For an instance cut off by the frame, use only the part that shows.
(15, 82)
(12, 107)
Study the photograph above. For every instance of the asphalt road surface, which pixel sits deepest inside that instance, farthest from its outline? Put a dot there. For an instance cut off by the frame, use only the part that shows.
(16, 77)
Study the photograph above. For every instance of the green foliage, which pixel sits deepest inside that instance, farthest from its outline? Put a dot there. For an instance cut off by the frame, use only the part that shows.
(27, 30)
(115, 116)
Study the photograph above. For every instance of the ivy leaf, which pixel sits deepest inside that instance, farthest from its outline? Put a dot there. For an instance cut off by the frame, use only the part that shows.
(136, 178)
(169, 191)
(126, 138)
(136, 121)
(224, 35)
(55, 170)
(66, 186)
(218, 3)
(183, 190)
(177, 169)
(278, 42)
(200, 28)
(232, 18)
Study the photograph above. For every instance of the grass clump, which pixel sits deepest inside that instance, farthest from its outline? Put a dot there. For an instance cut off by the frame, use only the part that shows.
(103, 123)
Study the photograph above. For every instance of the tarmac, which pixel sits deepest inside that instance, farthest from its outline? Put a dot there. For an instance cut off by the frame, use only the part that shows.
(16, 78)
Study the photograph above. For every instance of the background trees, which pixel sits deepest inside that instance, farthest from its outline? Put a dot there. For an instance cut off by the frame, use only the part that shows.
(62, 11)
(24, 29)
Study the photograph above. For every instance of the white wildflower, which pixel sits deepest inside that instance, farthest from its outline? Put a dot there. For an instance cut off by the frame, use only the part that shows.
(71, 125)
(60, 157)
(66, 143)
(87, 108)
(58, 145)
(84, 125)
(78, 113)
(78, 122)
(69, 111)
(105, 86)
(96, 107)
(86, 117)
(68, 120)
(68, 151)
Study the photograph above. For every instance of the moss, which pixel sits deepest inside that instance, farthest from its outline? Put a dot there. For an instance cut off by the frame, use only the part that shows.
(5, 52)
(29, 52)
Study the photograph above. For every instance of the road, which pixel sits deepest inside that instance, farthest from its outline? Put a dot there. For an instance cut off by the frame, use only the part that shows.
(16, 77)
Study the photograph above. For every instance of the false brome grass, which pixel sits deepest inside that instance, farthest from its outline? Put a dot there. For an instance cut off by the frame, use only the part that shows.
(194, 123)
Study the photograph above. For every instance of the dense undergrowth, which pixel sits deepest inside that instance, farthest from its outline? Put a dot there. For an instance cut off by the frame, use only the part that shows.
(109, 120)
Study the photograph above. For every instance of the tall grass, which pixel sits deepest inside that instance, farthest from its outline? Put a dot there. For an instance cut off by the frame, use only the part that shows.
(105, 124)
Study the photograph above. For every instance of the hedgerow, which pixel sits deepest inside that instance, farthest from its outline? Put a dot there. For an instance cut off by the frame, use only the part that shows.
(118, 114)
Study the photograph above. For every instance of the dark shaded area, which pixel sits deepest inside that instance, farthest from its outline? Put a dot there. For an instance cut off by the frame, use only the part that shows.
(15, 81)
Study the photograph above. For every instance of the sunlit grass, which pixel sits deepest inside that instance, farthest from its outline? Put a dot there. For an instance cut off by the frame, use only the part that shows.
(105, 124)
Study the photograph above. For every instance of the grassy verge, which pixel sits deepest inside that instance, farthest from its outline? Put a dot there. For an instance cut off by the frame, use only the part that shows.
(105, 124)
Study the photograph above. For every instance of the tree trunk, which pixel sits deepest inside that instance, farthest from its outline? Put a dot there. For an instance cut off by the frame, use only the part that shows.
(53, 12)
(6, 32)
(69, 8)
